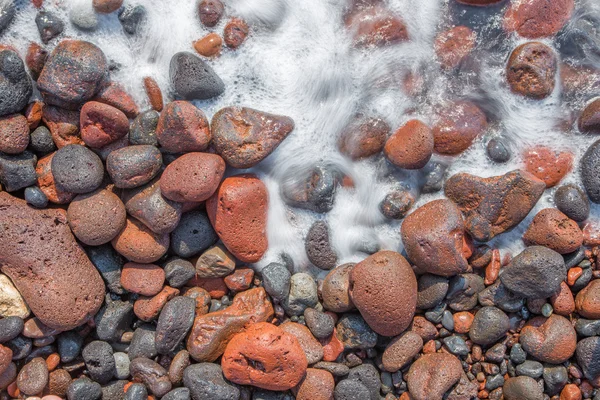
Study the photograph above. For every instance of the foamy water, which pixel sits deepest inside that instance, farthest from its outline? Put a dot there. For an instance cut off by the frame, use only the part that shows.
(299, 61)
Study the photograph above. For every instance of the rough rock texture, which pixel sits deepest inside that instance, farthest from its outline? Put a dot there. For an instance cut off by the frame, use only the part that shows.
(587, 301)
(553, 229)
(548, 164)
(363, 137)
(496, 204)
(411, 146)
(433, 237)
(47, 265)
(384, 289)
(534, 19)
(264, 356)
(192, 78)
(244, 136)
(102, 124)
(182, 127)
(457, 125)
(192, 177)
(15, 84)
(531, 70)
(318, 247)
(551, 340)
(432, 375)
(590, 172)
(238, 212)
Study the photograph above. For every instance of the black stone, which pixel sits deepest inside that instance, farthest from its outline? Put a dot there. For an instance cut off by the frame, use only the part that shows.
(311, 190)
(17, 171)
(463, 291)
(77, 169)
(143, 128)
(318, 247)
(573, 202)
(143, 344)
(192, 78)
(109, 263)
(7, 14)
(431, 290)
(498, 151)
(206, 381)
(113, 390)
(555, 378)
(84, 389)
(178, 394)
(20, 346)
(174, 322)
(41, 141)
(489, 325)
(178, 271)
(113, 319)
(350, 389)
(10, 328)
(396, 204)
(276, 280)
(99, 360)
(434, 177)
(49, 25)
(355, 333)
(193, 235)
(137, 391)
(368, 376)
(590, 171)
(498, 295)
(69, 346)
(15, 84)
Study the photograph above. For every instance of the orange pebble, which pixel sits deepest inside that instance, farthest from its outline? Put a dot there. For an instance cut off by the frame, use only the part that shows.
(154, 93)
(462, 321)
(52, 361)
(429, 347)
(493, 268)
(570, 392)
(13, 390)
(574, 274)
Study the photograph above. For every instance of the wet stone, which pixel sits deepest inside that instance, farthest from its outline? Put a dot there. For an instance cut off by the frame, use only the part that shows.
(312, 190)
(531, 70)
(132, 18)
(463, 291)
(498, 151)
(571, 200)
(434, 177)
(99, 360)
(498, 295)
(318, 247)
(17, 171)
(7, 13)
(192, 78)
(143, 128)
(49, 25)
(210, 12)
(396, 204)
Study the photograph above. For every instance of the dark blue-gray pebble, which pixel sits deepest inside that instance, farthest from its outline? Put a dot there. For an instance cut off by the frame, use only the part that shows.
(99, 360)
(35, 197)
(10, 328)
(143, 128)
(84, 389)
(69, 346)
(113, 319)
(41, 141)
(17, 171)
(143, 343)
(178, 394)
(174, 322)
(178, 271)
(137, 391)
(20, 346)
(109, 263)
(193, 234)
(206, 381)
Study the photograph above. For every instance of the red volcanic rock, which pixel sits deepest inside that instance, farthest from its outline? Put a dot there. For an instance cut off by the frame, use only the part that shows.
(14, 134)
(101, 124)
(182, 128)
(563, 302)
(5, 358)
(411, 146)
(139, 244)
(401, 351)
(148, 308)
(144, 279)
(587, 302)
(48, 267)
(534, 19)
(376, 26)
(154, 93)
(212, 332)
(496, 204)
(244, 136)
(433, 237)
(363, 137)
(240, 279)
(238, 213)
(63, 125)
(531, 69)
(548, 165)
(318, 384)
(453, 45)
(114, 95)
(107, 6)
(432, 375)
(45, 181)
(35, 59)
(553, 229)
(551, 340)
(264, 356)
(33, 113)
(235, 32)
(479, 2)
(384, 289)
(192, 177)
(458, 124)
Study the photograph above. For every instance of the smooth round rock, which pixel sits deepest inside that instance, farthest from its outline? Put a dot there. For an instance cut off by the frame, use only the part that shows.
(276, 280)
(235, 32)
(10, 328)
(77, 169)
(33, 377)
(401, 350)
(133, 166)
(311, 189)
(553, 229)
(107, 6)
(320, 324)
(355, 333)
(264, 356)
(84, 389)
(431, 290)
(522, 388)
(551, 340)
(182, 127)
(210, 12)
(384, 289)
(571, 200)
(139, 244)
(216, 262)
(489, 325)
(531, 70)
(206, 381)
(209, 46)
(534, 19)
(411, 146)
(589, 120)
(498, 151)
(99, 360)
(36, 197)
(588, 356)
(14, 134)
(452, 46)
(363, 137)
(192, 177)
(41, 140)
(193, 234)
(192, 78)
(397, 203)
(313, 350)
(457, 125)
(151, 374)
(96, 218)
(102, 124)
(432, 375)
(144, 279)
(534, 273)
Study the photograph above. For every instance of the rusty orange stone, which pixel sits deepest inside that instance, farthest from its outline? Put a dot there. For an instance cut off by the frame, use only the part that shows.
(547, 164)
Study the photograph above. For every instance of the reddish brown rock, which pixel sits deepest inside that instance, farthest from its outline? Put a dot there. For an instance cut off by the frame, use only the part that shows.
(571, 392)
(479, 2)
(202, 298)
(548, 165)
(48, 267)
(551, 340)
(432, 375)
(114, 95)
(8, 376)
(496, 204)
(531, 69)
(335, 289)
(563, 302)
(310, 345)
(97, 217)
(211, 332)
(589, 120)
(363, 137)
(244, 136)
(215, 287)
(144, 279)
(33, 377)
(264, 356)
(401, 350)
(133, 166)
(33, 113)
(463, 321)
(384, 289)
(534, 19)
(587, 301)
(139, 244)
(63, 125)
(192, 177)
(58, 382)
(458, 124)
(182, 128)
(240, 279)
(35, 329)
(317, 384)
(210, 12)
(238, 213)
(107, 6)
(45, 181)
(154, 93)
(35, 59)
(411, 146)
(433, 237)
(453, 45)
(235, 32)
(209, 46)
(102, 124)
(332, 347)
(553, 229)
(376, 26)
(148, 308)
(5, 358)
(14, 134)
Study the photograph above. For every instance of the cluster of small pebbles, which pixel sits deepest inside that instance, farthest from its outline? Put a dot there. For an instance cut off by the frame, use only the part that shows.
(128, 238)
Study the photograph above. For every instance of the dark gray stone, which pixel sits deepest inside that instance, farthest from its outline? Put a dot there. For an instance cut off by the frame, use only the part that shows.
(431, 291)
(517, 354)
(574, 258)
(206, 381)
(15, 84)
(35, 197)
(132, 18)
(49, 25)
(463, 291)
(448, 320)
(367, 375)
(351, 389)
(84, 389)
(320, 324)
(555, 378)
(41, 141)
(590, 171)
(534, 273)
(493, 382)
(192, 78)
(143, 128)
(193, 235)
(583, 280)
(533, 369)
(588, 327)
(178, 271)
(456, 345)
(436, 314)
(109, 263)
(20, 346)
(489, 325)
(336, 369)
(17, 171)
(174, 323)
(178, 394)
(113, 319)
(355, 333)
(7, 14)
(318, 247)
(77, 169)
(498, 295)
(69, 346)
(10, 328)
(114, 390)
(276, 280)
(496, 353)
(396, 204)
(99, 360)
(434, 177)
(588, 356)
(571, 200)
(313, 189)
(143, 343)
(137, 391)
(497, 150)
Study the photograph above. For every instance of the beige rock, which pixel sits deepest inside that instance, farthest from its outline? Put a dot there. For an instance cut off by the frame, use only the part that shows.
(11, 301)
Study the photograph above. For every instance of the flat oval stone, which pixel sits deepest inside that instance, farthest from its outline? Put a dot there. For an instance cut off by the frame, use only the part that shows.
(77, 169)
(133, 166)
(182, 127)
(401, 350)
(241, 201)
(553, 229)
(384, 289)
(206, 381)
(192, 177)
(49, 268)
(522, 388)
(571, 200)
(264, 356)
(363, 137)
(318, 248)
(411, 146)
(590, 171)
(245, 136)
(432, 375)
(489, 326)
(433, 237)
